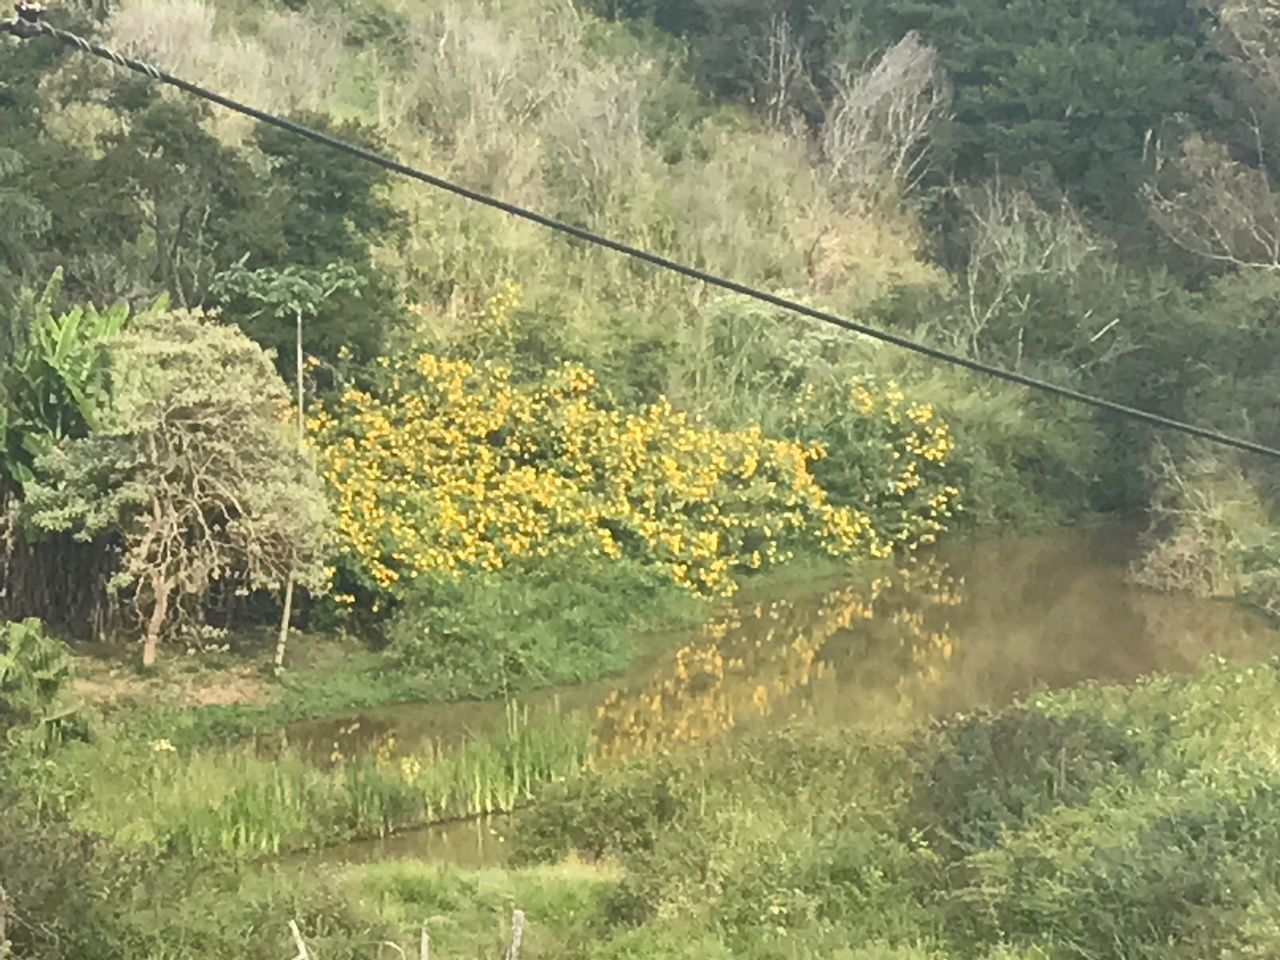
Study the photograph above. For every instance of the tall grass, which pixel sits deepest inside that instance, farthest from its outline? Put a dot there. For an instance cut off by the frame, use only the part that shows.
(235, 802)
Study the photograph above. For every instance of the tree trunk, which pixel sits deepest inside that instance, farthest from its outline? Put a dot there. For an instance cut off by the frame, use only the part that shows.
(302, 426)
(161, 588)
(287, 614)
(285, 617)
(57, 580)
(4, 921)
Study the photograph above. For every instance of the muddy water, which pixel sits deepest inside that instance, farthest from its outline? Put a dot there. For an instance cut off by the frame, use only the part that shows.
(977, 625)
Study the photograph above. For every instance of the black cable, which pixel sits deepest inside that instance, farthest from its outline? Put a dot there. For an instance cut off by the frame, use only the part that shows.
(27, 30)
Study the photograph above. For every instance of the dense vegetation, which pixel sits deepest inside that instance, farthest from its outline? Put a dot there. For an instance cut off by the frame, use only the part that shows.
(1102, 822)
(1133, 821)
(249, 387)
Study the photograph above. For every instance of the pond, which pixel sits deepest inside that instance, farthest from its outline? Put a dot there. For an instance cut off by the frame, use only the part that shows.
(978, 624)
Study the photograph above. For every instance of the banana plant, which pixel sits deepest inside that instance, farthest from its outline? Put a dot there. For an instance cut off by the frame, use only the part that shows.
(57, 381)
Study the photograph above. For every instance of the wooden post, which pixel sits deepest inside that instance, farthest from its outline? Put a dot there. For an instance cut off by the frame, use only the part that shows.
(424, 952)
(285, 617)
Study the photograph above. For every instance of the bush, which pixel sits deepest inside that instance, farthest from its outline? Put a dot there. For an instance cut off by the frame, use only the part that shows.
(35, 671)
(64, 886)
(1212, 533)
(981, 776)
(1152, 870)
(554, 622)
(448, 467)
(620, 815)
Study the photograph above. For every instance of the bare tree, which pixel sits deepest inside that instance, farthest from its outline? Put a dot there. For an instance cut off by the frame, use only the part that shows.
(781, 62)
(879, 120)
(1217, 207)
(1013, 241)
(1218, 203)
(1252, 28)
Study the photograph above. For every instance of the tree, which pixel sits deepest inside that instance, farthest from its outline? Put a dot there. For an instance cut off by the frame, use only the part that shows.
(1216, 206)
(1040, 85)
(53, 384)
(55, 380)
(879, 120)
(185, 204)
(1253, 32)
(325, 209)
(286, 294)
(23, 220)
(195, 471)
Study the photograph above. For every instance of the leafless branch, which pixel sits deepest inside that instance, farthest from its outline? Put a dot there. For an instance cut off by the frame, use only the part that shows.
(1253, 30)
(879, 120)
(1217, 207)
(303, 952)
(1013, 239)
(781, 63)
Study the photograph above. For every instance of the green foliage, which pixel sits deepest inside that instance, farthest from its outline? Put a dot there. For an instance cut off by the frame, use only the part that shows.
(292, 295)
(983, 776)
(178, 203)
(240, 803)
(1212, 532)
(24, 220)
(621, 815)
(1039, 85)
(552, 622)
(56, 383)
(469, 911)
(1148, 872)
(192, 468)
(328, 210)
(1099, 821)
(63, 889)
(35, 673)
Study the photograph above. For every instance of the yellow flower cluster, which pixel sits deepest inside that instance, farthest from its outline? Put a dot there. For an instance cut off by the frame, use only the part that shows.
(887, 453)
(450, 467)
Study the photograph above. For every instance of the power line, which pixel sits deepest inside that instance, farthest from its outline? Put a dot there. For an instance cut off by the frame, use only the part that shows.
(26, 29)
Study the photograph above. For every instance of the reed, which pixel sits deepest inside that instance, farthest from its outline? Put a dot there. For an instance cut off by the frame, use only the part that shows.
(236, 803)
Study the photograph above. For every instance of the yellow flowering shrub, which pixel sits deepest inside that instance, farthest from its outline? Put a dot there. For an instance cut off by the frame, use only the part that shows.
(451, 466)
(884, 455)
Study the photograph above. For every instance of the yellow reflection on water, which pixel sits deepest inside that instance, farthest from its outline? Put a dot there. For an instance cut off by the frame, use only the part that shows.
(764, 660)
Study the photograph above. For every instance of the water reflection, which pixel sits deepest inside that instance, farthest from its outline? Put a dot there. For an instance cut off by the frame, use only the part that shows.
(977, 625)
(467, 845)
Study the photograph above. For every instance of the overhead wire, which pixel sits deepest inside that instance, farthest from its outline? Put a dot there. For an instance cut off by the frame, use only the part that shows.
(26, 29)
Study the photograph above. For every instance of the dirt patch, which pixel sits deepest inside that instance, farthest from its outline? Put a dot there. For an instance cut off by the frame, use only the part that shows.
(107, 684)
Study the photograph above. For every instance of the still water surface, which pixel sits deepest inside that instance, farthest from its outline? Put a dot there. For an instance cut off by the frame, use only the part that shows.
(977, 625)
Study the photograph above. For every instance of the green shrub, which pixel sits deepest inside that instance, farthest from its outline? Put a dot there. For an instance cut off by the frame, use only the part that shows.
(35, 671)
(617, 815)
(983, 775)
(557, 621)
(1148, 870)
(61, 883)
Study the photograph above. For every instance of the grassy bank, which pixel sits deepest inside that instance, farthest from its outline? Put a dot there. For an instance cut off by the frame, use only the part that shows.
(1102, 821)
(239, 803)
(1136, 821)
